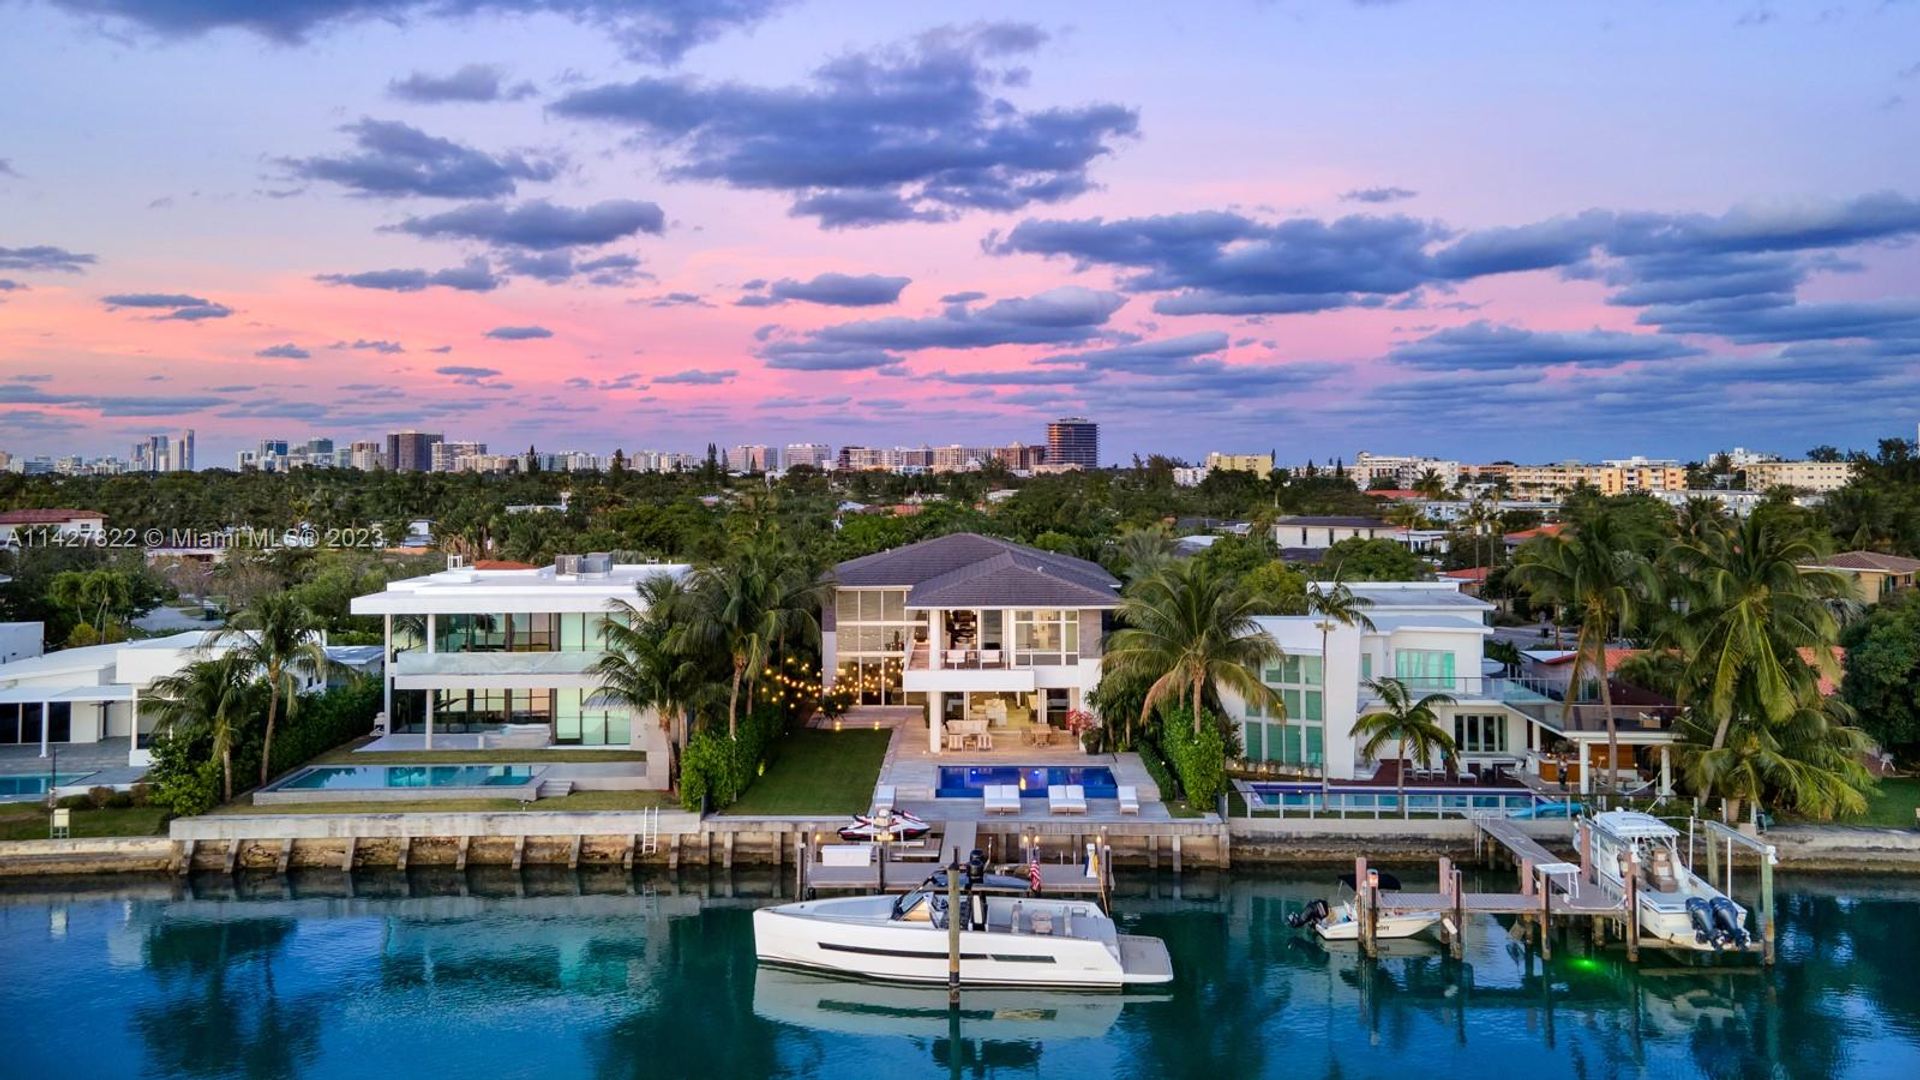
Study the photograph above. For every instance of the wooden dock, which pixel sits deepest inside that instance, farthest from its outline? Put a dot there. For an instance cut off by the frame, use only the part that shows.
(904, 867)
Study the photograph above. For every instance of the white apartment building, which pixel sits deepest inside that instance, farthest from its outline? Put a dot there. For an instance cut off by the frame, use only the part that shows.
(987, 636)
(447, 455)
(1431, 637)
(813, 455)
(1816, 476)
(1404, 470)
(483, 658)
(93, 693)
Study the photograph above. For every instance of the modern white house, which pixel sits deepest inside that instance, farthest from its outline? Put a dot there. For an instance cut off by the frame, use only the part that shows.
(504, 658)
(92, 694)
(1319, 532)
(1431, 637)
(989, 637)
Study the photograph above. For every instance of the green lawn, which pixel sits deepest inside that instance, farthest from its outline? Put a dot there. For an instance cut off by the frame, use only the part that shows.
(1893, 803)
(30, 822)
(579, 800)
(818, 772)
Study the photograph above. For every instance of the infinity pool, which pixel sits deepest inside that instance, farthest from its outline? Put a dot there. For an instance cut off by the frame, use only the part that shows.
(14, 787)
(965, 781)
(389, 777)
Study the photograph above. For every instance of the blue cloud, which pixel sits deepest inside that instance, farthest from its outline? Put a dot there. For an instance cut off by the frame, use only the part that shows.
(832, 290)
(1064, 316)
(901, 134)
(518, 333)
(471, 83)
(1483, 345)
(1378, 194)
(473, 276)
(1147, 357)
(540, 225)
(44, 257)
(178, 306)
(695, 377)
(659, 31)
(395, 159)
(284, 352)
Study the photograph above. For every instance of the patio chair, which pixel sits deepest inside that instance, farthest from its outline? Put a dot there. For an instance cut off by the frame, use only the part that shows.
(1001, 798)
(1129, 799)
(1066, 799)
(883, 798)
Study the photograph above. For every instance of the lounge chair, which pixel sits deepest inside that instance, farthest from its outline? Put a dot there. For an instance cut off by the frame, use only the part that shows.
(1066, 799)
(1129, 799)
(883, 798)
(1001, 798)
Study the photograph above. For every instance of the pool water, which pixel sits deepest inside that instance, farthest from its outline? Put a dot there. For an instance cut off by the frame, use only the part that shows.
(383, 777)
(965, 781)
(16, 786)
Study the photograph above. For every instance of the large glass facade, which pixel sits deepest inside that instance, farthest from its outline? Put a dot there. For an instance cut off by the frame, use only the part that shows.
(20, 723)
(519, 632)
(1045, 636)
(563, 710)
(1297, 736)
(1425, 670)
(873, 633)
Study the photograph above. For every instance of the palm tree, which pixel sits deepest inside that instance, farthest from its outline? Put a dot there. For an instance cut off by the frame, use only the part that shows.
(751, 604)
(211, 694)
(1141, 551)
(1758, 628)
(277, 634)
(1332, 603)
(1810, 760)
(1593, 573)
(1431, 484)
(1189, 628)
(1415, 726)
(644, 663)
(1480, 520)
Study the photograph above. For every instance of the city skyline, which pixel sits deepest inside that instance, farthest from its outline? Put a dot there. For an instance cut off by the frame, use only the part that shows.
(639, 225)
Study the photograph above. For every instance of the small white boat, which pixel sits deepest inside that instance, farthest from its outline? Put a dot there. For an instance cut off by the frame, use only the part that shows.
(1010, 937)
(1342, 923)
(1677, 906)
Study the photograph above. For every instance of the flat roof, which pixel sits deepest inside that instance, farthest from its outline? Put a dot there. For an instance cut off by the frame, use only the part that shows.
(469, 590)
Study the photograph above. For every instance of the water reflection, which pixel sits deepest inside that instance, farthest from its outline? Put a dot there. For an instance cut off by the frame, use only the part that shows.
(609, 975)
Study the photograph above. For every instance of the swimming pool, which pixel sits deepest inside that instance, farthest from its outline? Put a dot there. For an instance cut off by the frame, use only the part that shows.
(388, 777)
(16, 787)
(965, 781)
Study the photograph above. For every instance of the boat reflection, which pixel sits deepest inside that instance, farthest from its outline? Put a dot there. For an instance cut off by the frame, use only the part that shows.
(849, 1007)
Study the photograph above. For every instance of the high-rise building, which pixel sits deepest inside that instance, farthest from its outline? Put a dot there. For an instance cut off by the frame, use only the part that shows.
(811, 454)
(244, 460)
(272, 455)
(367, 454)
(1260, 465)
(183, 452)
(1073, 441)
(753, 458)
(411, 451)
(152, 454)
(1019, 457)
(444, 456)
(1799, 475)
(319, 453)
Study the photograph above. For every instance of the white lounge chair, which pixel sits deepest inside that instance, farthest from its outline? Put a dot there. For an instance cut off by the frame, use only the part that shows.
(1129, 799)
(1066, 799)
(1001, 798)
(883, 798)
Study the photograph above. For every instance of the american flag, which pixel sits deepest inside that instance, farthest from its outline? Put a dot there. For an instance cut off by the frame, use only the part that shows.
(1033, 875)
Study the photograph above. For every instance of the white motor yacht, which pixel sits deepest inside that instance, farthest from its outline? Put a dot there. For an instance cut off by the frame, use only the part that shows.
(1677, 906)
(1010, 936)
(1342, 923)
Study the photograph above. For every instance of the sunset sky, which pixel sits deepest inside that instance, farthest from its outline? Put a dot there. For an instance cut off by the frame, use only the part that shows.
(1526, 231)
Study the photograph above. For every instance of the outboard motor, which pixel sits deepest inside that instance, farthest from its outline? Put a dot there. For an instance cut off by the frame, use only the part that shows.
(976, 866)
(1315, 912)
(1700, 913)
(1726, 916)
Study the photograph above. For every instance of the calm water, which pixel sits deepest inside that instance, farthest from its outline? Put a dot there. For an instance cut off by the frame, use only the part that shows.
(594, 975)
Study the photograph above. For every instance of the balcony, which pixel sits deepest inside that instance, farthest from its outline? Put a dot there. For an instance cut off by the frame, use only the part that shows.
(1633, 709)
(505, 670)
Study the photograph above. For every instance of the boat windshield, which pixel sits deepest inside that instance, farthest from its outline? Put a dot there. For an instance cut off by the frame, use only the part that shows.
(921, 905)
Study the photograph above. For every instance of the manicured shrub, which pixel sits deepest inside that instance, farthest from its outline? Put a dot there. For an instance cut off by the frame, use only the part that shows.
(1199, 757)
(99, 796)
(74, 802)
(717, 769)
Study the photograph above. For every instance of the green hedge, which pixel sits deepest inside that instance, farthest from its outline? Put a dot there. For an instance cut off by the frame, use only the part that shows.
(1199, 757)
(323, 721)
(717, 770)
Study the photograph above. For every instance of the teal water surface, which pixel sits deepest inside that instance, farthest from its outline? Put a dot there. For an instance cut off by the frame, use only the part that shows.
(603, 975)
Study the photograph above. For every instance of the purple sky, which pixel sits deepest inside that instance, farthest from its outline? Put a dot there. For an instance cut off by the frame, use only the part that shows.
(1484, 231)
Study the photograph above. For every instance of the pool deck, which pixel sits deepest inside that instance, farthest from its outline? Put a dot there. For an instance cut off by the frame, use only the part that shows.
(914, 773)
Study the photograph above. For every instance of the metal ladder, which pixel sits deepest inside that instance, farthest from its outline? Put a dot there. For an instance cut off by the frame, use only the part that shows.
(650, 830)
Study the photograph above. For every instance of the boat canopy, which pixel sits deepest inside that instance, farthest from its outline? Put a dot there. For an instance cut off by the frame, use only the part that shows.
(1633, 825)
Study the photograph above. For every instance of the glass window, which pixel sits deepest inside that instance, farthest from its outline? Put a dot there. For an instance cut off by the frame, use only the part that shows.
(1424, 669)
(1252, 734)
(894, 605)
(846, 606)
(1310, 671)
(1366, 667)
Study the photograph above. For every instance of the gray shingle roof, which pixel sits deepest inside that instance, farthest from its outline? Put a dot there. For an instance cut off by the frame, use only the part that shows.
(970, 570)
